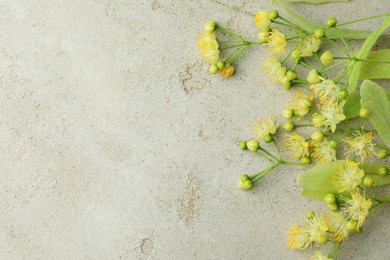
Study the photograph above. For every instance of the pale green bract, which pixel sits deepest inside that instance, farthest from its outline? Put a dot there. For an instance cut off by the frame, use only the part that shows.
(379, 68)
(352, 106)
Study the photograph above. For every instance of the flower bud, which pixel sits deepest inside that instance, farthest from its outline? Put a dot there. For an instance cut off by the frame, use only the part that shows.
(317, 136)
(253, 145)
(262, 36)
(323, 239)
(273, 14)
(364, 112)
(305, 160)
(288, 113)
(331, 22)
(319, 33)
(343, 93)
(333, 207)
(359, 230)
(288, 126)
(286, 82)
(382, 171)
(213, 69)
(368, 181)
(245, 183)
(330, 198)
(333, 144)
(243, 145)
(220, 64)
(268, 138)
(382, 153)
(327, 58)
(210, 26)
(291, 75)
(352, 225)
(312, 77)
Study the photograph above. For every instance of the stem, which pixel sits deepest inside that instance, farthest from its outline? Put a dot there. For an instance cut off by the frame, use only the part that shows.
(295, 26)
(342, 73)
(364, 19)
(224, 30)
(262, 149)
(263, 155)
(337, 46)
(261, 174)
(331, 67)
(278, 149)
(286, 24)
(342, 39)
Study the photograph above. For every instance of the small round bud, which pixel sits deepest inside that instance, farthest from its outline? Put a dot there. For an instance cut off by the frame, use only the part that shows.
(310, 214)
(312, 77)
(327, 58)
(330, 198)
(288, 126)
(221, 64)
(364, 112)
(333, 144)
(245, 183)
(333, 207)
(210, 26)
(343, 93)
(253, 145)
(368, 181)
(286, 82)
(268, 138)
(213, 69)
(288, 113)
(243, 145)
(291, 75)
(352, 225)
(317, 136)
(244, 177)
(305, 160)
(323, 240)
(262, 36)
(273, 14)
(382, 153)
(382, 171)
(319, 33)
(331, 22)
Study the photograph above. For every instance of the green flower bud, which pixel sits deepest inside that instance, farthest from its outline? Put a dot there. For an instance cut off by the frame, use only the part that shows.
(382, 153)
(273, 14)
(288, 113)
(210, 26)
(319, 33)
(310, 214)
(291, 75)
(221, 64)
(331, 22)
(245, 183)
(333, 144)
(213, 69)
(317, 136)
(253, 145)
(364, 112)
(382, 171)
(327, 58)
(368, 181)
(305, 160)
(343, 93)
(330, 198)
(312, 77)
(333, 207)
(288, 126)
(243, 145)
(262, 36)
(323, 239)
(245, 177)
(268, 138)
(359, 230)
(352, 225)
(286, 82)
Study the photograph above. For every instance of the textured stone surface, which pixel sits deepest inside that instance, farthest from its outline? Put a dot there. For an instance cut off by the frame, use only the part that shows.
(117, 144)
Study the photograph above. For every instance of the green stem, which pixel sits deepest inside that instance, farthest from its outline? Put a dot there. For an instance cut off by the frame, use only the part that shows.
(337, 46)
(342, 39)
(285, 24)
(342, 73)
(261, 174)
(262, 149)
(331, 67)
(364, 19)
(278, 149)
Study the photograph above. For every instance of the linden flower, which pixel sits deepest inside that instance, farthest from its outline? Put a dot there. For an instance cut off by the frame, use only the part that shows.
(226, 71)
(348, 176)
(338, 225)
(361, 145)
(276, 43)
(326, 90)
(296, 145)
(208, 47)
(310, 46)
(323, 152)
(263, 20)
(274, 69)
(330, 115)
(265, 127)
(300, 103)
(319, 256)
(317, 230)
(298, 238)
(357, 207)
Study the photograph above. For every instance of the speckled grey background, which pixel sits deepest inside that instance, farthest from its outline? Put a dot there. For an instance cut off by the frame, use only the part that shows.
(117, 144)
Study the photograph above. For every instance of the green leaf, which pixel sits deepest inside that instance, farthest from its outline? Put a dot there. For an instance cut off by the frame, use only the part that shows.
(374, 98)
(379, 69)
(352, 106)
(316, 1)
(363, 54)
(309, 26)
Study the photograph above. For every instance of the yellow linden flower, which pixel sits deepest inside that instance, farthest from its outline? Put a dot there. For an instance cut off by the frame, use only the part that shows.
(317, 230)
(357, 207)
(326, 90)
(208, 47)
(300, 103)
(319, 256)
(330, 115)
(263, 20)
(338, 225)
(361, 145)
(298, 238)
(348, 176)
(276, 42)
(323, 152)
(310, 46)
(226, 72)
(274, 69)
(296, 145)
(265, 127)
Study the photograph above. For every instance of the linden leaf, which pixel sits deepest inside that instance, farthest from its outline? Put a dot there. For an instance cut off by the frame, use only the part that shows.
(380, 69)
(373, 97)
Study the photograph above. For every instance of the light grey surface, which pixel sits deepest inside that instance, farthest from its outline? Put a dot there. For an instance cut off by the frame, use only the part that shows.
(117, 144)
